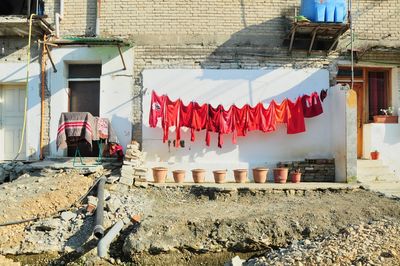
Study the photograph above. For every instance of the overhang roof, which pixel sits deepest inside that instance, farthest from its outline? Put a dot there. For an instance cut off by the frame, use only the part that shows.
(76, 40)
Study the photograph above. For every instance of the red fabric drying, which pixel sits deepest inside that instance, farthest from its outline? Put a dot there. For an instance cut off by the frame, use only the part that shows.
(295, 117)
(311, 105)
(171, 118)
(199, 118)
(156, 108)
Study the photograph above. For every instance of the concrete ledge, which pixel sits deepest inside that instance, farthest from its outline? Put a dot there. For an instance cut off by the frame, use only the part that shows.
(257, 186)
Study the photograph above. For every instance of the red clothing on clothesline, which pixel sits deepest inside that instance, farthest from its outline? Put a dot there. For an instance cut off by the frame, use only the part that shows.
(199, 118)
(171, 117)
(311, 105)
(295, 117)
(157, 106)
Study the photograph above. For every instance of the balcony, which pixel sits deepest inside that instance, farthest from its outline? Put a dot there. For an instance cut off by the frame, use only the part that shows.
(14, 18)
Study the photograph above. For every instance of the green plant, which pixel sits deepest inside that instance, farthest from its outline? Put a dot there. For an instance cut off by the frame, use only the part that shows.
(388, 111)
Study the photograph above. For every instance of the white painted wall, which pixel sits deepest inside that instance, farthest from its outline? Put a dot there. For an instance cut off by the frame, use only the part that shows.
(386, 139)
(116, 88)
(228, 87)
(15, 73)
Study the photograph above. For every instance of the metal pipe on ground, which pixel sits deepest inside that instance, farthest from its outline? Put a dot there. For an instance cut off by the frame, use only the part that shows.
(104, 243)
(99, 229)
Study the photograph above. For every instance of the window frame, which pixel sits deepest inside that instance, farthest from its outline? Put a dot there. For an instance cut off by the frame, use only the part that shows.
(365, 81)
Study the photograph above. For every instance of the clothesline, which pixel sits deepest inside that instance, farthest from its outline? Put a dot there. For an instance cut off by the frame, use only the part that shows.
(236, 120)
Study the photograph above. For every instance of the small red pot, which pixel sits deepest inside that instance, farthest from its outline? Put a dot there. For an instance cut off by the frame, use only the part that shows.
(375, 155)
(240, 175)
(280, 175)
(295, 177)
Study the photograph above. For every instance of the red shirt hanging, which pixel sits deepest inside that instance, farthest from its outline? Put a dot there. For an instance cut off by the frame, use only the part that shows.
(171, 118)
(199, 118)
(295, 117)
(185, 118)
(157, 106)
(311, 105)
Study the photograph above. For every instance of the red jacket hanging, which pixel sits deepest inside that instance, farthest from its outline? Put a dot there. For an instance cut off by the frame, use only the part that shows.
(311, 105)
(185, 118)
(240, 121)
(268, 119)
(254, 117)
(157, 106)
(199, 118)
(227, 124)
(280, 111)
(171, 118)
(295, 117)
(214, 123)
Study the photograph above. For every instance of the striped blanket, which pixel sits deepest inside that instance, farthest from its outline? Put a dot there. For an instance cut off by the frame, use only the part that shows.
(75, 126)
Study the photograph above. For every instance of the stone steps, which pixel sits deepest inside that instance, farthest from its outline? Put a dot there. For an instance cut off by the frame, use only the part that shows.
(374, 171)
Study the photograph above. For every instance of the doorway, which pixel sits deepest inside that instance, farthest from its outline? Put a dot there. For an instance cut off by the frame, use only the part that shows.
(84, 96)
(12, 106)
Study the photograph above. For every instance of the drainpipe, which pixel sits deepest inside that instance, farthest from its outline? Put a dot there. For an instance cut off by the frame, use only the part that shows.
(98, 17)
(104, 243)
(59, 17)
(28, 10)
(99, 229)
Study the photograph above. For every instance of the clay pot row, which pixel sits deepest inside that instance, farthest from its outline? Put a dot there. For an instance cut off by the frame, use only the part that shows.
(198, 175)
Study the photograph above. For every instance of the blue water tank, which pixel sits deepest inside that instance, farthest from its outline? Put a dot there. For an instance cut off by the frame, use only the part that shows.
(324, 10)
(340, 11)
(330, 10)
(307, 9)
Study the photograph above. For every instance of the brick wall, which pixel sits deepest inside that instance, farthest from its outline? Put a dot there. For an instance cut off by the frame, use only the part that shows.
(313, 170)
(214, 33)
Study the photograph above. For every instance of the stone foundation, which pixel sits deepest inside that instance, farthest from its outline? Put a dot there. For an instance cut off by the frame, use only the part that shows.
(313, 170)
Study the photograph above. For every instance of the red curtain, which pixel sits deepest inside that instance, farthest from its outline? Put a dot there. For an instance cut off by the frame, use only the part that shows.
(378, 92)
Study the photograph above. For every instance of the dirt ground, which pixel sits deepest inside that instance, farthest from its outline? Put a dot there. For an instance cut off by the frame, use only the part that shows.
(36, 196)
(187, 225)
(180, 222)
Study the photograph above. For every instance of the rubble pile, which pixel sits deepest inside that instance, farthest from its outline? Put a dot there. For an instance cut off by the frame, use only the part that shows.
(133, 167)
(12, 170)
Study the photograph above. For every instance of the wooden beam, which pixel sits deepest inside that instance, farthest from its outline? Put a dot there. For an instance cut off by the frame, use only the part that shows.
(292, 39)
(312, 40)
(336, 40)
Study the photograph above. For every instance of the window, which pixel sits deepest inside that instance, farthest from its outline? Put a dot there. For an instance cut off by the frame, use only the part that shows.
(375, 83)
(20, 7)
(84, 85)
(378, 92)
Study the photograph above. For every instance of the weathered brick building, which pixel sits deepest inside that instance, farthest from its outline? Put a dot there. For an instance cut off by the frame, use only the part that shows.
(218, 35)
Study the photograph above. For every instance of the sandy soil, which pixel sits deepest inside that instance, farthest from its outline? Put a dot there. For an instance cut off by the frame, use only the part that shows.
(36, 196)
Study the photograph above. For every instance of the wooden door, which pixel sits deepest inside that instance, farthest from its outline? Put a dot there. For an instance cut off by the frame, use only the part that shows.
(12, 100)
(359, 89)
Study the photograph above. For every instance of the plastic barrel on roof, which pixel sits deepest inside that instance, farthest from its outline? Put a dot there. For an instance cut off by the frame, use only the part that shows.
(307, 9)
(340, 11)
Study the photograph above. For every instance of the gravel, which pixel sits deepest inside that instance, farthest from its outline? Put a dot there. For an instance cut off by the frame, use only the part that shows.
(372, 243)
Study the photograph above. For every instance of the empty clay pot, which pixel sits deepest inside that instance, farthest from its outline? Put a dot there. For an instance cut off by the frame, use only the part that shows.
(295, 177)
(280, 175)
(179, 176)
(240, 175)
(260, 174)
(199, 175)
(219, 176)
(159, 174)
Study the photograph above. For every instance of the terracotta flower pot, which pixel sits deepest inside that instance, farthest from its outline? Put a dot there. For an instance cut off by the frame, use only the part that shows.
(260, 174)
(240, 175)
(199, 175)
(280, 175)
(219, 176)
(159, 174)
(375, 155)
(179, 176)
(295, 177)
(388, 119)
